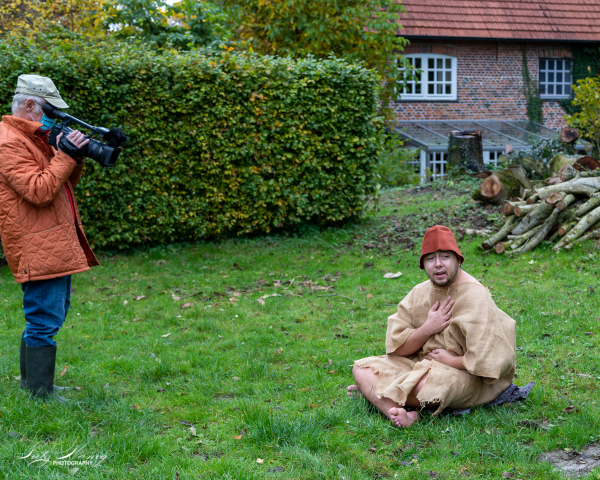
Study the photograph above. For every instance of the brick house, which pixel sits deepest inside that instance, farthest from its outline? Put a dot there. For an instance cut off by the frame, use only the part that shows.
(471, 56)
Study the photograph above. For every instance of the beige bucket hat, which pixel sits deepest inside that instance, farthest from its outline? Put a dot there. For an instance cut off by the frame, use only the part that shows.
(40, 87)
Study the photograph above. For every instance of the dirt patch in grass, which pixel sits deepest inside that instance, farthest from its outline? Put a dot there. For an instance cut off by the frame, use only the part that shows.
(572, 463)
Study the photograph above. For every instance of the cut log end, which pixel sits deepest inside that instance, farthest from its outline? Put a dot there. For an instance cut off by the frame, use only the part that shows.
(569, 134)
(491, 186)
(553, 198)
(560, 205)
(499, 248)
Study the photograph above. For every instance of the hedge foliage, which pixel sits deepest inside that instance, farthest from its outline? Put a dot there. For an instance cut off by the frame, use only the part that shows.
(221, 142)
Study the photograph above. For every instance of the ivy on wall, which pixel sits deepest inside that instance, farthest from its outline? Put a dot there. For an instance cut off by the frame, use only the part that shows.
(585, 63)
(532, 93)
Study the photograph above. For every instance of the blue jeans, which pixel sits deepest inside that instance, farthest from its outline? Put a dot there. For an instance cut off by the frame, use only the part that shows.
(46, 304)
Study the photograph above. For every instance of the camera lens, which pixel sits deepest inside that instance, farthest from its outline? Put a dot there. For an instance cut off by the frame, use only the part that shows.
(102, 153)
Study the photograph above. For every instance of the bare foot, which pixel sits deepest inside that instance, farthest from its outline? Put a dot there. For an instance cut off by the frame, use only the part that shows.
(403, 419)
(354, 391)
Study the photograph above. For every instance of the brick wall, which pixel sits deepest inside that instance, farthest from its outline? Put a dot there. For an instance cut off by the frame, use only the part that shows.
(489, 82)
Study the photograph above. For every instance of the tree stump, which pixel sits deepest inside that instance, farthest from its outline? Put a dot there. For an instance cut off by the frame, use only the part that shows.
(465, 150)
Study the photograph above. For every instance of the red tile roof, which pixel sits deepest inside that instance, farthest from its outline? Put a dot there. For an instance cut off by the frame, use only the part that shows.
(571, 20)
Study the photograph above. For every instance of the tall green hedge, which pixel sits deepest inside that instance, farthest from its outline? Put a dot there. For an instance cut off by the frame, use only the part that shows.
(221, 143)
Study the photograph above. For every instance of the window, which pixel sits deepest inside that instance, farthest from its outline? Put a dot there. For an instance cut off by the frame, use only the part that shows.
(437, 80)
(555, 78)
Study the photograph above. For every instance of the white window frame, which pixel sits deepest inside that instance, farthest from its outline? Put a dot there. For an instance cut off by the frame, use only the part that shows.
(554, 96)
(425, 79)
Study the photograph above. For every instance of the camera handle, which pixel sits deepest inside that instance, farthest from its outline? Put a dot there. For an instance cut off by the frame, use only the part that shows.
(53, 113)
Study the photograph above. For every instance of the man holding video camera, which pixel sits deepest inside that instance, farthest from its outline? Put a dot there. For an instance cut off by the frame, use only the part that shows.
(40, 227)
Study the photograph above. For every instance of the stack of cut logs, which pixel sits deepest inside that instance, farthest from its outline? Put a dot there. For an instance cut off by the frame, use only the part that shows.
(567, 211)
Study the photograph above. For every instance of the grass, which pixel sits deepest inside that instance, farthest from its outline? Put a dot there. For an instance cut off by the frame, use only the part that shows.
(206, 391)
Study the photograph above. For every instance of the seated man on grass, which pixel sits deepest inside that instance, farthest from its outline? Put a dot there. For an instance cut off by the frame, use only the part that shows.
(448, 346)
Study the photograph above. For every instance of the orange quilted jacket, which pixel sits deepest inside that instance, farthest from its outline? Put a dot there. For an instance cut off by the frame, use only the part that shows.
(40, 227)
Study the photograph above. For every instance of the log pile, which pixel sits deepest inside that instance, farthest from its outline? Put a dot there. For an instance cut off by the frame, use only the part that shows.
(567, 211)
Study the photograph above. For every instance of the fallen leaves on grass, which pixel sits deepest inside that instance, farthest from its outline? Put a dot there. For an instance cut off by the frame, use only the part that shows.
(193, 431)
(571, 409)
(259, 460)
(175, 297)
(186, 305)
(237, 437)
(166, 335)
(140, 297)
(63, 371)
(278, 351)
(261, 301)
(275, 470)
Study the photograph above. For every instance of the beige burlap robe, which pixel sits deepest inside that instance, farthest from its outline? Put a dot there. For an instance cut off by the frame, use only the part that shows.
(480, 331)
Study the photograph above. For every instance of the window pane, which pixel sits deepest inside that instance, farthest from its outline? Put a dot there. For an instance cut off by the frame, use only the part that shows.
(439, 89)
(418, 88)
(430, 89)
(550, 64)
(418, 62)
(559, 89)
(440, 76)
(542, 76)
(568, 77)
(448, 89)
(409, 88)
(448, 63)
(542, 64)
(542, 89)
(550, 89)
(431, 76)
(568, 90)
(440, 63)
(559, 77)
(448, 76)
(550, 76)
(568, 65)
(559, 64)
(430, 63)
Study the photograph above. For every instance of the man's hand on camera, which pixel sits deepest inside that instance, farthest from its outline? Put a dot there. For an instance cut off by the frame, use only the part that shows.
(76, 138)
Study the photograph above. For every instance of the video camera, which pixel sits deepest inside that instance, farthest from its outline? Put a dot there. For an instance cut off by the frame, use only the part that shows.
(105, 154)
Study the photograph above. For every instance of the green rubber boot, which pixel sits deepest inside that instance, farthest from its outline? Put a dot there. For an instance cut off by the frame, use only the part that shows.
(40, 363)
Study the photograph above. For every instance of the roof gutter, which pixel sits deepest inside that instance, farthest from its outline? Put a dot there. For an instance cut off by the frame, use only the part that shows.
(499, 39)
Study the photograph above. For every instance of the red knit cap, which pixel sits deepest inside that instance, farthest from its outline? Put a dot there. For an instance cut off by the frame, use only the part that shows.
(439, 238)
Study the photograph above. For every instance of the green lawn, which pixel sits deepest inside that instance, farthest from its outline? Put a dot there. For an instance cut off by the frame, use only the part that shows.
(208, 390)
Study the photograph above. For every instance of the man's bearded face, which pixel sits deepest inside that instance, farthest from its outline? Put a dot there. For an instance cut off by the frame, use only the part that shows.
(442, 267)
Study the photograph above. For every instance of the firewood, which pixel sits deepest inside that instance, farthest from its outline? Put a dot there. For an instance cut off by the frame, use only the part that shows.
(593, 233)
(578, 230)
(500, 247)
(509, 207)
(536, 217)
(564, 228)
(592, 203)
(508, 225)
(553, 198)
(522, 210)
(546, 227)
(533, 199)
(519, 240)
(580, 185)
